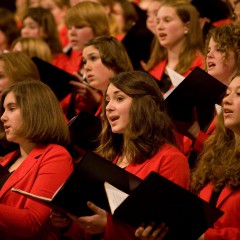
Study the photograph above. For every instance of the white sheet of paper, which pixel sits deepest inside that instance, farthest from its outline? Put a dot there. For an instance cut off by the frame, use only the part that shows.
(114, 195)
(175, 77)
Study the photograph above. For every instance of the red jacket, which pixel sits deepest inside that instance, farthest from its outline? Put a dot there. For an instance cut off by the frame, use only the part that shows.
(42, 173)
(228, 226)
(168, 162)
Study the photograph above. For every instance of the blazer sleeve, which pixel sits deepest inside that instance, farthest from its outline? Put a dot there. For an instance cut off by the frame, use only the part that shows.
(27, 217)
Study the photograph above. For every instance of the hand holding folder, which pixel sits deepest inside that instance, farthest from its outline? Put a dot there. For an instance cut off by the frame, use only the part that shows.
(86, 183)
(159, 200)
(154, 199)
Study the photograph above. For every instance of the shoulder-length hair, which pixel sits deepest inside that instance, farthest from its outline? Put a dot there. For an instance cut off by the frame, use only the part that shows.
(112, 53)
(34, 47)
(19, 67)
(43, 119)
(193, 43)
(219, 162)
(47, 22)
(227, 39)
(88, 14)
(149, 126)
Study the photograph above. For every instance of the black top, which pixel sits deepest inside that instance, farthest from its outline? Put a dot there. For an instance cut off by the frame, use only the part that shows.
(4, 179)
(215, 196)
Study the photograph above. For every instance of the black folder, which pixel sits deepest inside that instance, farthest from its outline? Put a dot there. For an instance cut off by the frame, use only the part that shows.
(56, 78)
(86, 183)
(158, 200)
(84, 130)
(198, 90)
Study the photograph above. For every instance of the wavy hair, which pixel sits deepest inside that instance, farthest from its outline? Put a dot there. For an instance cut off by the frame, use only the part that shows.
(227, 39)
(149, 125)
(219, 162)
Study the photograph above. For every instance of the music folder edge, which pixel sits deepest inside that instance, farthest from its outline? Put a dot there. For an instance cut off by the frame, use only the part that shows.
(198, 90)
(156, 199)
(86, 183)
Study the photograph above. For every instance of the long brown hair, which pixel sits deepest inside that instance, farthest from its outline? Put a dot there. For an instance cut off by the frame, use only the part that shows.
(149, 125)
(193, 44)
(219, 163)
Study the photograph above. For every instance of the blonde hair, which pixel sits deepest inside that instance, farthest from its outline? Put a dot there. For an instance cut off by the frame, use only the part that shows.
(193, 44)
(34, 47)
(88, 14)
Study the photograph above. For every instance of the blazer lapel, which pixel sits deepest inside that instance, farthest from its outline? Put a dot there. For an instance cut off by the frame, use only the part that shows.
(206, 192)
(22, 170)
(135, 168)
(226, 192)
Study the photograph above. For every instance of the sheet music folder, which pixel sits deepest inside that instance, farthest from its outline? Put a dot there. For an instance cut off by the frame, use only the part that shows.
(56, 78)
(199, 89)
(158, 200)
(86, 183)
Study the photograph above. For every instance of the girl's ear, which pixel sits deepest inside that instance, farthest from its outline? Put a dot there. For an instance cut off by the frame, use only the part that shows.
(186, 28)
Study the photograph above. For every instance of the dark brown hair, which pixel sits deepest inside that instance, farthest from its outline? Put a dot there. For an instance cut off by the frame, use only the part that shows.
(149, 125)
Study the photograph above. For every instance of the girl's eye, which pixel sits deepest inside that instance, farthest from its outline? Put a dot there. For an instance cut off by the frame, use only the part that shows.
(94, 58)
(107, 100)
(167, 19)
(226, 94)
(119, 99)
(2, 75)
(84, 61)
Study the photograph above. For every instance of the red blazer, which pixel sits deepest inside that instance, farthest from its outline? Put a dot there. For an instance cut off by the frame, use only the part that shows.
(168, 162)
(42, 173)
(60, 60)
(228, 226)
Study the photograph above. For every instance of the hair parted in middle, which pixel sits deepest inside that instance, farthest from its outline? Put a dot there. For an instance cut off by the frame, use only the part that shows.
(43, 119)
(193, 41)
(149, 125)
